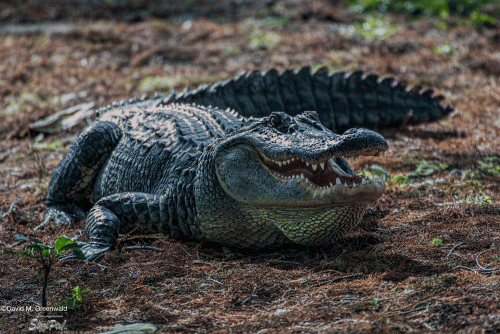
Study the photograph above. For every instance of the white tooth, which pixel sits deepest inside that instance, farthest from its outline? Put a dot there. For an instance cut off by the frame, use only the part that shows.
(322, 164)
(353, 184)
(331, 185)
(314, 166)
(364, 173)
(337, 182)
(363, 181)
(302, 176)
(288, 161)
(279, 163)
(292, 159)
(307, 164)
(345, 184)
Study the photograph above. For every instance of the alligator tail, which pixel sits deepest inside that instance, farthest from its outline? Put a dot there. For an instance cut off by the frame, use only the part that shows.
(342, 100)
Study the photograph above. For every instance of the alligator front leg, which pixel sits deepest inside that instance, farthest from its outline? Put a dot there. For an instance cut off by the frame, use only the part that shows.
(72, 181)
(127, 212)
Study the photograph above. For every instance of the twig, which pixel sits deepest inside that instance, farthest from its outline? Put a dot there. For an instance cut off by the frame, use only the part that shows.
(9, 211)
(477, 257)
(453, 248)
(283, 261)
(479, 264)
(252, 295)
(337, 279)
(214, 280)
(350, 320)
(145, 247)
(466, 268)
(413, 310)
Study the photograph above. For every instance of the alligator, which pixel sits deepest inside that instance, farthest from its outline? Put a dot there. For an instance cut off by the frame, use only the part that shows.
(258, 161)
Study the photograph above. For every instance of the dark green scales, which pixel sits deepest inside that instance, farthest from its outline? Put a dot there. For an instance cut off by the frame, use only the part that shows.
(256, 161)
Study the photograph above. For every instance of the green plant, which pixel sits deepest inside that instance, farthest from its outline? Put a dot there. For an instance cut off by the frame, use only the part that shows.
(467, 9)
(425, 168)
(269, 41)
(74, 300)
(45, 255)
(445, 49)
(436, 242)
(373, 27)
(490, 166)
(156, 83)
(400, 179)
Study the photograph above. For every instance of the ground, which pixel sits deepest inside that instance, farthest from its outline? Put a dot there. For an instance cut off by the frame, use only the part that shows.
(423, 260)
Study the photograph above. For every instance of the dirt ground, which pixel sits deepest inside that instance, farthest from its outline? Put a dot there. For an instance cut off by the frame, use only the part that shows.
(424, 258)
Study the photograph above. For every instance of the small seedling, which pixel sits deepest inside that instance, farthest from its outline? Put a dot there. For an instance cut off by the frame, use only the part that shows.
(73, 300)
(437, 242)
(46, 255)
(400, 179)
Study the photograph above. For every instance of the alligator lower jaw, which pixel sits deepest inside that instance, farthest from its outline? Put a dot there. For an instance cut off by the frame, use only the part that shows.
(319, 177)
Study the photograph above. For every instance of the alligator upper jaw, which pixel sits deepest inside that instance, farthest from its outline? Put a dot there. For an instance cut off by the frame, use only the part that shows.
(321, 174)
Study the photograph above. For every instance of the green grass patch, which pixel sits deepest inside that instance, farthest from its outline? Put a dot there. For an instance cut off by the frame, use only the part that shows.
(154, 83)
(53, 146)
(374, 27)
(436, 242)
(21, 103)
(259, 40)
(465, 12)
(425, 168)
(445, 49)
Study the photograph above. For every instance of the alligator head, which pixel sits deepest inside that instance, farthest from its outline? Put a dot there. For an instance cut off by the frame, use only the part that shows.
(292, 172)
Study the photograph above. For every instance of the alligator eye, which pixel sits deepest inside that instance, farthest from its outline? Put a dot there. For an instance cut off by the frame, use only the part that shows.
(275, 120)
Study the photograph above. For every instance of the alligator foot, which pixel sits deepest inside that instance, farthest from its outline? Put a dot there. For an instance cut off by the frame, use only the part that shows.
(87, 252)
(62, 214)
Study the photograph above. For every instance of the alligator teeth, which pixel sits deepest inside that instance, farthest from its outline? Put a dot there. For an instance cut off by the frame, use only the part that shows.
(363, 181)
(315, 166)
(302, 176)
(307, 164)
(322, 164)
(331, 185)
(338, 182)
(279, 163)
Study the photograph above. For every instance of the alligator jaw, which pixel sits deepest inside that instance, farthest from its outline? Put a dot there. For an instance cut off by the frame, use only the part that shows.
(320, 177)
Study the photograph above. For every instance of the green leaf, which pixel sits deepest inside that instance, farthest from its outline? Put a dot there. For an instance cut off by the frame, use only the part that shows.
(70, 246)
(436, 242)
(61, 242)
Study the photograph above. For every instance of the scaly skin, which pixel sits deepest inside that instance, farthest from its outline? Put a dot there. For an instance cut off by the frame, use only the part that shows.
(212, 175)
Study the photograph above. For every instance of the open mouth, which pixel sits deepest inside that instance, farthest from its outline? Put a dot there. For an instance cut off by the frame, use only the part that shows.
(327, 172)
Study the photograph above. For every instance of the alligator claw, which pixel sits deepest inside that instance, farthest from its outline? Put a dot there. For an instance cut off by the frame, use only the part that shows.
(62, 214)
